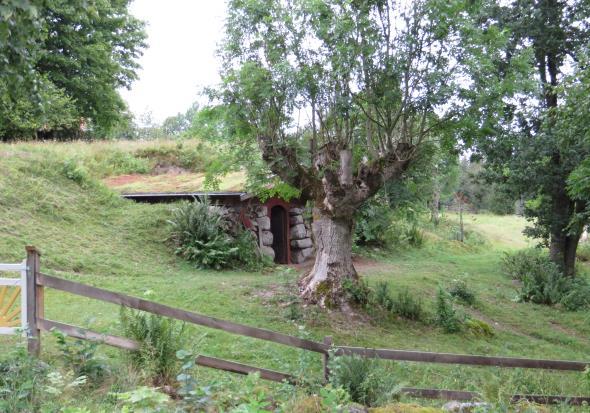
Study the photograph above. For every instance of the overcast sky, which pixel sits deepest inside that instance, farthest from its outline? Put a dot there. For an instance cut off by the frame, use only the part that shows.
(182, 36)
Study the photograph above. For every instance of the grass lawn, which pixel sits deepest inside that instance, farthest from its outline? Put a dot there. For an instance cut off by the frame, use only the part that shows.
(86, 233)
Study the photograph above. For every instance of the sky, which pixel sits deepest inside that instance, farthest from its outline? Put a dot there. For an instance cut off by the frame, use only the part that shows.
(182, 36)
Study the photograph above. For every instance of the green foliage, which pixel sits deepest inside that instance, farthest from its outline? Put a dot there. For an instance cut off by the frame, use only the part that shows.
(459, 290)
(519, 264)
(102, 40)
(370, 382)
(193, 397)
(76, 172)
(21, 380)
(143, 400)
(583, 252)
(446, 315)
(193, 158)
(204, 236)
(406, 306)
(80, 357)
(543, 281)
(371, 223)
(160, 338)
(357, 292)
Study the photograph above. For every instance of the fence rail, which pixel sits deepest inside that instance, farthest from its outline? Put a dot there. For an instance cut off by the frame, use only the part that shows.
(37, 281)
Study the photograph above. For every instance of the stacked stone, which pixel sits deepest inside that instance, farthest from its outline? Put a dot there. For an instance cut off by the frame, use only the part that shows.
(265, 237)
(301, 243)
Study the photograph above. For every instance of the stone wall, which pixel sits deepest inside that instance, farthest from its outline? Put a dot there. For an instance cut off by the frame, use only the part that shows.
(301, 242)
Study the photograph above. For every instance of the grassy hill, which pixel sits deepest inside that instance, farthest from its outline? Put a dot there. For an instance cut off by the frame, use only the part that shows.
(51, 196)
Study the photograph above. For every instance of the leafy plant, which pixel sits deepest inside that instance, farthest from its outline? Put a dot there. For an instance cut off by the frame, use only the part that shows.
(370, 221)
(520, 264)
(462, 292)
(21, 381)
(370, 382)
(160, 338)
(193, 397)
(479, 327)
(203, 235)
(446, 315)
(80, 357)
(583, 252)
(358, 292)
(143, 400)
(406, 306)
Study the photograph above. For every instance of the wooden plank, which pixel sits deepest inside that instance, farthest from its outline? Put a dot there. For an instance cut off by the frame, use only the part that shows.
(10, 281)
(183, 315)
(441, 394)
(326, 359)
(448, 358)
(539, 399)
(84, 334)
(239, 368)
(34, 334)
(13, 267)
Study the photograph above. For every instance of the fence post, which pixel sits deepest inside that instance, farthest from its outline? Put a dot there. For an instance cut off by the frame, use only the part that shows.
(328, 342)
(34, 301)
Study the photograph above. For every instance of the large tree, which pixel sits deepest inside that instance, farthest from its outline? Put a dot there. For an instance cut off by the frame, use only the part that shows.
(523, 142)
(65, 59)
(340, 96)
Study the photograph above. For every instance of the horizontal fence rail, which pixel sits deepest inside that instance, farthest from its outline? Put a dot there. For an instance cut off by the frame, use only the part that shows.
(182, 315)
(449, 358)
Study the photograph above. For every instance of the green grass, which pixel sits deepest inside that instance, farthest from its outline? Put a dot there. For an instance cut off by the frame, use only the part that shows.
(86, 233)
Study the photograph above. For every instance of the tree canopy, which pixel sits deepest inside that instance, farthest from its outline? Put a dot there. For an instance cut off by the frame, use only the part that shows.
(65, 61)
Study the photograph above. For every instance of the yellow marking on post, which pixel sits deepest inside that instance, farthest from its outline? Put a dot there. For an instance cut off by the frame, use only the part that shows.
(7, 312)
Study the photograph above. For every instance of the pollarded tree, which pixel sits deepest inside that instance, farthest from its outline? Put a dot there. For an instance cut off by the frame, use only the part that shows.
(340, 96)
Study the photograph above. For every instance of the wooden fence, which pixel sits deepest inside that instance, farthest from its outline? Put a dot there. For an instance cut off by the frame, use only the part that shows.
(38, 281)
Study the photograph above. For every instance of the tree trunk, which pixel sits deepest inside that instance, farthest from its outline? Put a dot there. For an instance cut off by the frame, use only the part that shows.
(563, 245)
(435, 206)
(333, 261)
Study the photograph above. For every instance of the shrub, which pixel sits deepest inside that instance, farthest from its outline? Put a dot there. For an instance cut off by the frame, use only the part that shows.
(202, 235)
(532, 260)
(544, 287)
(160, 339)
(578, 295)
(370, 222)
(462, 292)
(74, 171)
(21, 379)
(414, 236)
(406, 306)
(370, 382)
(446, 315)
(358, 292)
(80, 357)
(383, 295)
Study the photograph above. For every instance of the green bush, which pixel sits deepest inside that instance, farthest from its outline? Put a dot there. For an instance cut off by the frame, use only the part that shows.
(479, 327)
(544, 283)
(462, 292)
(159, 338)
(446, 315)
(21, 381)
(527, 261)
(414, 236)
(202, 235)
(371, 223)
(357, 292)
(79, 356)
(406, 306)
(383, 295)
(370, 382)
(73, 170)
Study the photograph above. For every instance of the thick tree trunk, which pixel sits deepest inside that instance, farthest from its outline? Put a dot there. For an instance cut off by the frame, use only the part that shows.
(333, 262)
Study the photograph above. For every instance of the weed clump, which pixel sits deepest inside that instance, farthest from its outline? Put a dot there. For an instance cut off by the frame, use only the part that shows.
(370, 382)
(446, 315)
(160, 338)
(543, 281)
(462, 292)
